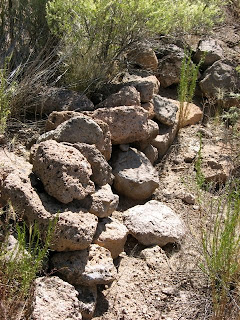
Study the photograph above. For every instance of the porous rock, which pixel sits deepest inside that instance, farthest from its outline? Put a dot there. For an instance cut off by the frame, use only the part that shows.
(54, 298)
(63, 170)
(126, 123)
(149, 107)
(151, 153)
(101, 170)
(189, 114)
(112, 235)
(154, 223)
(87, 297)
(91, 266)
(102, 203)
(127, 96)
(209, 50)
(135, 177)
(165, 110)
(75, 227)
(220, 77)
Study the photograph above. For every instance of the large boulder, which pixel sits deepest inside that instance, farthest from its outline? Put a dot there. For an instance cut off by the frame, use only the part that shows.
(86, 267)
(154, 223)
(218, 79)
(101, 170)
(127, 96)
(165, 110)
(135, 177)
(112, 235)
(102, 203)
(54, 298)
(126, 123)
(209, 50)
(143, 56)
(63, 170)
(59, 99)
(75, 227)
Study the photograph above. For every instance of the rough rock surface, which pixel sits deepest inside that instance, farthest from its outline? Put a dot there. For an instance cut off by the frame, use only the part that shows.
(87, 297)
(75, 226)
(210, 49)
(112, 235)
(126, 123)
(220, 76)
(169, 69)
(102, 203)
(143, 56)
(151, 153)
(165, 110)
(127, 96)
(191, 114)
(59, 99)
(101, 170)
(135, 177)
(63, 170)
(149, 107)
(55, 299)
(154, 223)
(91, 266)
(216, 164)
(165, 138)
(153, 131)
(56, 118)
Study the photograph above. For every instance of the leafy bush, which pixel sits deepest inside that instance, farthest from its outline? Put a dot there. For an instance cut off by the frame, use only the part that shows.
(96, 33)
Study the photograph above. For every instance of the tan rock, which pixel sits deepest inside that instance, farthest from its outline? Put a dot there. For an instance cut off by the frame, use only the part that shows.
(190, 114)
(112, 235)
(58, 117)
(75, 227)
(135, 177)
(86, 267)
(126, 123)
(149, 107)
(154, 223)
(102, 203)
(54, 298)
(143, 56)
(63, 170)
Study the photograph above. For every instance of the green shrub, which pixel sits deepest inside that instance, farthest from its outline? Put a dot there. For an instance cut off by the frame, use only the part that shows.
(96, 33)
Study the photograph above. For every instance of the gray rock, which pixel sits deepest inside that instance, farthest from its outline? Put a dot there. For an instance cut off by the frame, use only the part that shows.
(219, 78)
(54, 298)
(135, 177)
(151, 153)
(87, 297)
(211, 50)
(112, 235)
(165, 110)
(102, 203)
(63, 170)
(87, 267)
(165, 138)
(154, 223)
(127, 96)
(101, 170)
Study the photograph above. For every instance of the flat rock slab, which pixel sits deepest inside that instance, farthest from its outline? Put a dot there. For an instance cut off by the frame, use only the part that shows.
(86, 267)
(154, 223)
(112, 235)
(55, 299)
(63, 170)
(135, 177)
